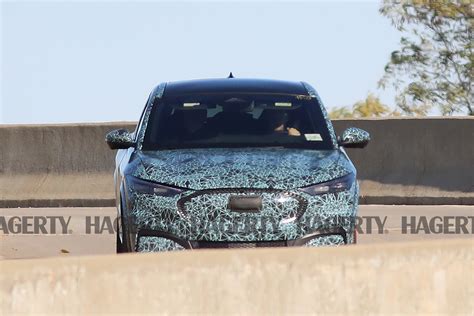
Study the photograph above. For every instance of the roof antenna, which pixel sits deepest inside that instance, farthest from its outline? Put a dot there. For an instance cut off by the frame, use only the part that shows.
(231, 75)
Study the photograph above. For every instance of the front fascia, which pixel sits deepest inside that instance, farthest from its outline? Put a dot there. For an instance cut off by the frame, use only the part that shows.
(206, 217)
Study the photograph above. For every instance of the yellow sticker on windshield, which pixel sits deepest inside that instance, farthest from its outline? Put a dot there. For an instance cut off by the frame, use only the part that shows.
(313, 137)
(282, 103)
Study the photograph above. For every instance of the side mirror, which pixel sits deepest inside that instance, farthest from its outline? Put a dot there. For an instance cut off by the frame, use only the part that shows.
(119, 139)
(354, 137)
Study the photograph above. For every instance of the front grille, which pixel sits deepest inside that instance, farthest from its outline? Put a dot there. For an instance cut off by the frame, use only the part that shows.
(214, 204)
(255, 244)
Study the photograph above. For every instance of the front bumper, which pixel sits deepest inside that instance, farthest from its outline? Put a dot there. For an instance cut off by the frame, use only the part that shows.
(201, 219)
(155, 241)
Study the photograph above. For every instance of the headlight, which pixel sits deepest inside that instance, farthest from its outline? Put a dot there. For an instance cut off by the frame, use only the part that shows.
(337, 185)
(148, 187)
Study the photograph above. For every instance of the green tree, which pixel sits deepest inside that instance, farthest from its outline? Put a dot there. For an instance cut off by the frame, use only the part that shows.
(340, 112)
(370, 107)
(434, 65)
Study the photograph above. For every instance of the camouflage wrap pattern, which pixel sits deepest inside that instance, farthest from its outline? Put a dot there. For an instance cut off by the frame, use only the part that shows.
(355, 135)
(215, 168)
(119, 136)
(157, 94)
(156, 244)
(208, 177)
(331, 240)
(141, 132)
(207, 217)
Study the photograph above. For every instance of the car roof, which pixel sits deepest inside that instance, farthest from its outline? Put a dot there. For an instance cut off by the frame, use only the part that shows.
(234, 85)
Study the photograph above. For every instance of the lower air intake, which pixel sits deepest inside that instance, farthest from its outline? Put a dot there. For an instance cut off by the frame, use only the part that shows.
(256, 244)
(157, 244)
(328, 240)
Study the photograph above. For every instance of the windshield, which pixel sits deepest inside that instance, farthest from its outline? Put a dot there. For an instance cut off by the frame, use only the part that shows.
(238, 120)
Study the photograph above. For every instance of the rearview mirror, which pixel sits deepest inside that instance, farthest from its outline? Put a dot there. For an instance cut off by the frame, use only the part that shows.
(119, 139)
(354, 137)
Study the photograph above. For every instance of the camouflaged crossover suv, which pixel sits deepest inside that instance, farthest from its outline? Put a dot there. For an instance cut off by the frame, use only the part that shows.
(231, 163)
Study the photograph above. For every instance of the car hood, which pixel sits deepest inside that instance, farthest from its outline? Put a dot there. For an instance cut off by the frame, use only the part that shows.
(276, 168)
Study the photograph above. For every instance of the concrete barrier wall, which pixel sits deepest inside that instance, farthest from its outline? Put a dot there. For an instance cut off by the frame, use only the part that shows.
(408, 161)
(408, 278)
(415, 161)
(57, 165)
(60, 149)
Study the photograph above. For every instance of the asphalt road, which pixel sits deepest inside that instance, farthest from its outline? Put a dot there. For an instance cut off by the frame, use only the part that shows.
(89, 231)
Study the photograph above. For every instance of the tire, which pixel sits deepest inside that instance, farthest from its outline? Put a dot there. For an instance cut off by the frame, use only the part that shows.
(119, 243)
(119, 246)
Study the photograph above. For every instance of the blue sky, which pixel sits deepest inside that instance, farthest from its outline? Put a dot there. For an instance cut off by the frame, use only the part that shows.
(92, 61)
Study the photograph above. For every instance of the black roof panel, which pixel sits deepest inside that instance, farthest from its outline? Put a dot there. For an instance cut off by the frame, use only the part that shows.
(234, 85)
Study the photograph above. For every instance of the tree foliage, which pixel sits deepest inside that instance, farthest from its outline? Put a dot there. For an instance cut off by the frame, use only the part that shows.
(370, 107)
(434, 65)
(340, 112)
